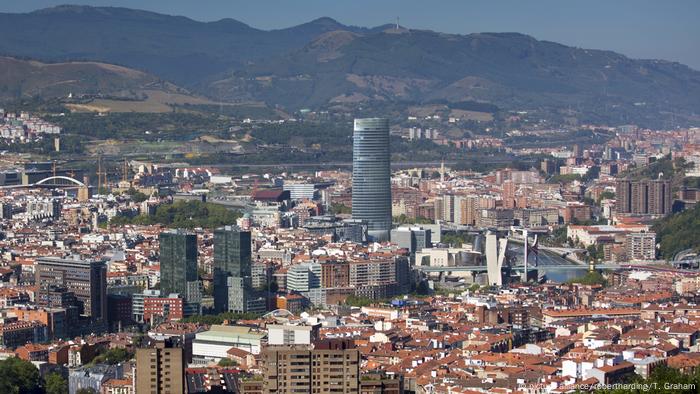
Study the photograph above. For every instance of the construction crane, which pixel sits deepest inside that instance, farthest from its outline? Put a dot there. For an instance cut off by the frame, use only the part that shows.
(255, 188)
(125, 172)
(100, 174)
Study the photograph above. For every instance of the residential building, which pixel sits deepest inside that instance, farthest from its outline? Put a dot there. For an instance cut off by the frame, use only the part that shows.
(160, 369)
(327, 367)
(641, 246)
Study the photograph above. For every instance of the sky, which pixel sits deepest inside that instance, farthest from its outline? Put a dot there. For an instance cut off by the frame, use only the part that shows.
(658, 29)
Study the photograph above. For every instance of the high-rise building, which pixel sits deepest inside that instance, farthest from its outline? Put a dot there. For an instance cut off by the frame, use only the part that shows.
(335, 274)
(641, 246)
(232, 259)
(371, 176)
(304, 277)
(331, 366)
(160, 369)
(178, 263)
(86, 279)
(469, 208)
(643, 197)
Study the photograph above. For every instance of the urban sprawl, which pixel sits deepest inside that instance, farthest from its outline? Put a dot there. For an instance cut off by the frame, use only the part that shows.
(171, 278)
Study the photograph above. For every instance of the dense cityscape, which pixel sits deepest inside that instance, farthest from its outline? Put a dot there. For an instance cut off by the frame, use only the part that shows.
(439, 248)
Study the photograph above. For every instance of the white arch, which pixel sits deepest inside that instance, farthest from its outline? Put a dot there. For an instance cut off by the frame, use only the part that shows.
(65, 178)
(279, 313)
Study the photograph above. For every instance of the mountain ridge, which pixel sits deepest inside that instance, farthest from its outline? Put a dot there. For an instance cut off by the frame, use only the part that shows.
(324, 62)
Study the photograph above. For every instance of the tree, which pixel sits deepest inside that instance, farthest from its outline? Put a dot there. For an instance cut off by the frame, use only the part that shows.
(590, 278)
(136, 196)
(662, 379)
(113, 356)
(227, 362)
(354, 300)
(184, 214)
(338, 208)
(678, 232)
(55, 384)
(595, 252)
(606, 195)
(19, 376)
(403, 219)
(456, 239)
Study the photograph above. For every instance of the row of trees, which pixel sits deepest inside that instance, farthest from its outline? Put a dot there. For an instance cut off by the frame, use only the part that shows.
(184, 214)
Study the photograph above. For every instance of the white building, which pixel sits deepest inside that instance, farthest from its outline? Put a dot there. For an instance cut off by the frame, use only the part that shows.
(290, 334)
(213, 345)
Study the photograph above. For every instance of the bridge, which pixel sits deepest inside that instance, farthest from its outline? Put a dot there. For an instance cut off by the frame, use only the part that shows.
(562, 267)
(687, 258)
(52, 181)
(482, 268)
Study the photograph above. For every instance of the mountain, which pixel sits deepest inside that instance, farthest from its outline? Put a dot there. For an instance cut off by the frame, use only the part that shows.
(509, 69)
(25, 78)
(323, 63)
(175, 48)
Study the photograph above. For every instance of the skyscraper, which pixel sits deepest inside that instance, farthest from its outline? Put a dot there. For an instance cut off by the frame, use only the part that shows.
(178, 263)
(371, 176)
(232, 258)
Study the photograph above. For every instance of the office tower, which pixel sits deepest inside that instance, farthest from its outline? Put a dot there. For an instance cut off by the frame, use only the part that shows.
(304, 277)
(86, 279)
(160, 369)
(371, 176)
(331, 366)
(6, 211)
(232, 259)
(178, 262)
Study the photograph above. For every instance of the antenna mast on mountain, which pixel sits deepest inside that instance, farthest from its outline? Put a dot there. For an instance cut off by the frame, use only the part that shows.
(397, 23)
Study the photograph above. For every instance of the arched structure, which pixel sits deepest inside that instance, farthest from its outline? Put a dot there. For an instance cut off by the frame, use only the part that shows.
(65, 178)
(279, 313)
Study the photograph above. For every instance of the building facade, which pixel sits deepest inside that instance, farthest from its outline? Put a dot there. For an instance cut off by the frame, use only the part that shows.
(330, 367)
(178, 262)
(160, 369)
(85, 279)
(643, 197)
(232, 259)
(371, 176)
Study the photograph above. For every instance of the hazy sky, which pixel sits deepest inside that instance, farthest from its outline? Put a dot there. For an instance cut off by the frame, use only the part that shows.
(663, 29)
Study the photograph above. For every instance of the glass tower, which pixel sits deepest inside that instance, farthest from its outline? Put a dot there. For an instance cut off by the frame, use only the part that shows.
(371, 176)
(232, 258)
(178, 261)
